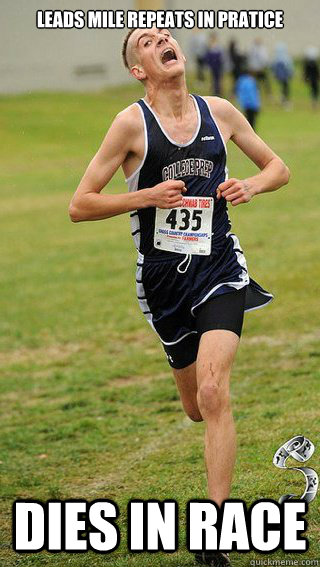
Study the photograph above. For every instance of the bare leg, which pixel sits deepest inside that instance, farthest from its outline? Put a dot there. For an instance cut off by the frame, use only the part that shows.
(186, 380)
(216, 354)
(204, 391)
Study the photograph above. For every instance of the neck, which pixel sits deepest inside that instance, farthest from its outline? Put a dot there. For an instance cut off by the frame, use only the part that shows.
(170, 98)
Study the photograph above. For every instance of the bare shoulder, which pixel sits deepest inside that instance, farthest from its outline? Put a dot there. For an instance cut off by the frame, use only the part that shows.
(221, 107)
(235, 126)
(224, 113)
(125, 133)
(219, 104)
(129, 119)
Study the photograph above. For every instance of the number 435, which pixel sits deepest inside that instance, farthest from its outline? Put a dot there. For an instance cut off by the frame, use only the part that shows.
(186, 220)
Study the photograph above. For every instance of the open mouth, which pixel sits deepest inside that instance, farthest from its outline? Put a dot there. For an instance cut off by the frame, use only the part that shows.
(168, 55)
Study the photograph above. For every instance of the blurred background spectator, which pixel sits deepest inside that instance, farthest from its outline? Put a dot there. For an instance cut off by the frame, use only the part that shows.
(282, 67)
(311, 73)
(214, 58)
(235, 61)
(258, 62)
(197, 49)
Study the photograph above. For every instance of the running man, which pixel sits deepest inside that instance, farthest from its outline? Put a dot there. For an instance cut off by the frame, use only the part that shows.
(192, 279)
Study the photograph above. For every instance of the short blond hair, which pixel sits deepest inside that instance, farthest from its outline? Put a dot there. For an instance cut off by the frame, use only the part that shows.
(125, 46)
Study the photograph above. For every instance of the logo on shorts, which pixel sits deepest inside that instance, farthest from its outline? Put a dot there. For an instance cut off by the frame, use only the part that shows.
(170, 358)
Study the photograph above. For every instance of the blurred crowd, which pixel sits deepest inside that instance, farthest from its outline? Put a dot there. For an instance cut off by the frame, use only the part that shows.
(251, 71)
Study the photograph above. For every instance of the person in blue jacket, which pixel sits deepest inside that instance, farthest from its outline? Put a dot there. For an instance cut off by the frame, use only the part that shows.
(247, 92)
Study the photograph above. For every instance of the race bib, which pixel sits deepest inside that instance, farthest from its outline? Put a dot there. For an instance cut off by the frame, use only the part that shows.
(187, 229)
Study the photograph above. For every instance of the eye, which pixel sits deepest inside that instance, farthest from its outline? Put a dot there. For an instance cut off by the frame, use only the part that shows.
(146, 43)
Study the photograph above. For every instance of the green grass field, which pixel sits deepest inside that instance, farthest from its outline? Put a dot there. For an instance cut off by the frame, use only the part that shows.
(89, 408)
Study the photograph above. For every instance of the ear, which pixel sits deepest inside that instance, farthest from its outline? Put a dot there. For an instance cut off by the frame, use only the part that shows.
(183, 56)
(138, 72)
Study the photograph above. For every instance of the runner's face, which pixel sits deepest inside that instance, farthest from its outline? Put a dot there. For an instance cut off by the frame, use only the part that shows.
(159, 54)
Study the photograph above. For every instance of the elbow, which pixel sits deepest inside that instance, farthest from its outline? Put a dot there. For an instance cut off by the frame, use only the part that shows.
(286, 174)
(283, 173)
(74, 213)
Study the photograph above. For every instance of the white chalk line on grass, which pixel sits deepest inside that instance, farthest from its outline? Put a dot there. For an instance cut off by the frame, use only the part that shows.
(56, 353)
(119, 474)
(62, 351)
(282, 340)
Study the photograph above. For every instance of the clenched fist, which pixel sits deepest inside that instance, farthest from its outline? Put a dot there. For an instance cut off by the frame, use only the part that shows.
(166, 195)
(235, 191)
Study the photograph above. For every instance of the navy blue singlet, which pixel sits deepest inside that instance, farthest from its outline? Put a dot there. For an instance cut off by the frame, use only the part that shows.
(171, 286)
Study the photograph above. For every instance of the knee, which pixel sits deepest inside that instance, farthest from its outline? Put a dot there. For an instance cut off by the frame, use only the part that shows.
(213, 398)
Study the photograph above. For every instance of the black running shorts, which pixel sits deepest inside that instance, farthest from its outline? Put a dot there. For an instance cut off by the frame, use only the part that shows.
(221, 312)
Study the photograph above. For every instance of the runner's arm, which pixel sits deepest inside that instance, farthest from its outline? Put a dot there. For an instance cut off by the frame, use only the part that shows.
(89, 204)
(274, 173)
